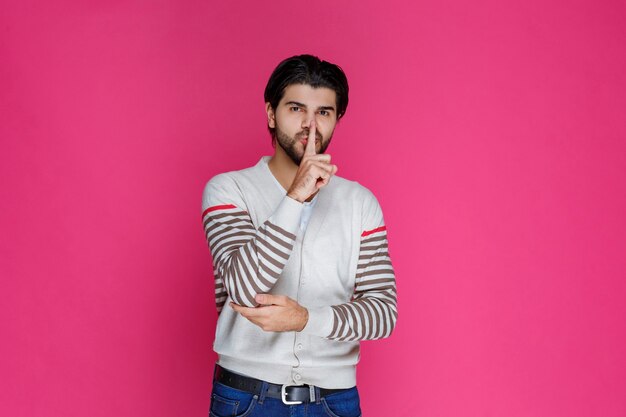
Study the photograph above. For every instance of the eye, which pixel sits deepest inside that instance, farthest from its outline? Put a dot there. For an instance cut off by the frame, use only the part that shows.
(294, 108)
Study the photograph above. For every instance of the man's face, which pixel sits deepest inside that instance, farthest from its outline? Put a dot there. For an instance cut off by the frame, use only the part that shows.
(300, 104)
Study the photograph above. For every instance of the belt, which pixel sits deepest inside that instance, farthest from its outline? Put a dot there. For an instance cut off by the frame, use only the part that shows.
(289, 394)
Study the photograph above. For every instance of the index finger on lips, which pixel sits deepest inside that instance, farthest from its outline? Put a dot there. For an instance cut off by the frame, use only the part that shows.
(310, 143)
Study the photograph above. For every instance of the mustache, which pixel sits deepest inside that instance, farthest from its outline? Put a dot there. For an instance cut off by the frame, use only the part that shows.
(305, 134)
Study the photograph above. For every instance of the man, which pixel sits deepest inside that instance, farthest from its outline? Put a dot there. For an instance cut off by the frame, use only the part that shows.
(300, 259)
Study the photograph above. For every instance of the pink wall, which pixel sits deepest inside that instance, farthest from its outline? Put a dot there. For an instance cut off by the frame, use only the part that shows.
(492, 133)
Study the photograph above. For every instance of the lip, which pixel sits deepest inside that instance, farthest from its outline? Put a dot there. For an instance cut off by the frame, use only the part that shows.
(305, 140)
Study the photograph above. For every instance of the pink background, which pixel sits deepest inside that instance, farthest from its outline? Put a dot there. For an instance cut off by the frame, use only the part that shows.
(492, 133)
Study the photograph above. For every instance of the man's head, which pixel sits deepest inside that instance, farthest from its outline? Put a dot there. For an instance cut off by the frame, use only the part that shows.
(304, 88)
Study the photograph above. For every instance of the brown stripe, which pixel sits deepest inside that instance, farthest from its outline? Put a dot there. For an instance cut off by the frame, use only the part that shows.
(335, 323)
(269, 271)
(273, 248)
(363, 303)
(234, 241)
(230, 278)
(375, 263)
(248, 278)
(343, 320)
(385, 315)
(375, 272)
(233, 220)
(234, 245)
(355, 320)
(243, 222)
(380, 316)
(229, 234)
(362, 327)
(255, 265)
(363, 257)
(378, 289)
(373, 239)
(351, 326)
(235, 278)
(346, 323)
(371, 248)
(278, 240)
(240, 282)
(369, 282)
(376, 316)
(220, 215)
(267, 258)
(281, 230)
(218, 228)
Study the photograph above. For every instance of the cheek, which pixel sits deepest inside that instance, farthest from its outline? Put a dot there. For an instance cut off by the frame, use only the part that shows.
(326, 129)
(289, 124)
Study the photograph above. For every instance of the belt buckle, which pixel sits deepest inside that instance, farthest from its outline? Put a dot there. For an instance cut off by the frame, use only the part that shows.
(283, 395)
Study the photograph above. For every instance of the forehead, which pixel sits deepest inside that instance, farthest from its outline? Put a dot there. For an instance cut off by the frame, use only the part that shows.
(313, 97)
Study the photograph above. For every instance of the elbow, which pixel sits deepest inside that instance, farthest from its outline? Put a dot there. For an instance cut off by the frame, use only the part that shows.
(241, 298)
(393, 318)
(244, 301)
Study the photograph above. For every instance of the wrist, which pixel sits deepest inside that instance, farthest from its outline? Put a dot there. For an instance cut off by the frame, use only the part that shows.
(295, 197)
(304, 320)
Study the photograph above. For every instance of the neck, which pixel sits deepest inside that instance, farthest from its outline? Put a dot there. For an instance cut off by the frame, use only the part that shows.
(282, 167)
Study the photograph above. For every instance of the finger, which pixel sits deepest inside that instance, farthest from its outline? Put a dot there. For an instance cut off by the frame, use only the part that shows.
(322, 183)
(267, 299)
(245, 311)
(321, 169)
(310, 144)
(322, 157)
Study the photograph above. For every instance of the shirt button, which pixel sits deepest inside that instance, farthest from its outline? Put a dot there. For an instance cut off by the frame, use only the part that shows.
(300, 346)
(297, 377)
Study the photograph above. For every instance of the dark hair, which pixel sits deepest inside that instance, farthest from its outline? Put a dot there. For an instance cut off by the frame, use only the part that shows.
(310, 70)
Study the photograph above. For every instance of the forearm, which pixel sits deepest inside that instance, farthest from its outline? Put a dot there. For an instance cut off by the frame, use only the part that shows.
(365, 318)
(248, 261)
(372, 312)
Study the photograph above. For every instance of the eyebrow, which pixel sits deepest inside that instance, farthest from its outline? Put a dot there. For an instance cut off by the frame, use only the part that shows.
(304, 105)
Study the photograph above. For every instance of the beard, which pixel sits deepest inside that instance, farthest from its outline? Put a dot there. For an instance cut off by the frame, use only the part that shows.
(291, 144)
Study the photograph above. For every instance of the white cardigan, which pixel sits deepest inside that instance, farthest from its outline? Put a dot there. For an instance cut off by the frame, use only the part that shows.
(338, 268)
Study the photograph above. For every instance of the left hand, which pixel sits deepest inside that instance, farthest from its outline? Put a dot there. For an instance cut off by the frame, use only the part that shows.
(277, 313)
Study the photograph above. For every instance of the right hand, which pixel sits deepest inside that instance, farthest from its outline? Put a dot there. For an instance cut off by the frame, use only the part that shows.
(314, 171)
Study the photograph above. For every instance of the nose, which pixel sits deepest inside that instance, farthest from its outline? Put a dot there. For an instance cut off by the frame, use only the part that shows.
(306, 120)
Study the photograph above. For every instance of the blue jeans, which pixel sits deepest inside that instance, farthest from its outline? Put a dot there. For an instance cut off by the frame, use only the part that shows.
(230, 402)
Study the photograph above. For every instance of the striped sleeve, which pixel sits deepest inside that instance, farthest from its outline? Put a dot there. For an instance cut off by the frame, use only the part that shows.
(246, 260)
(372, 311)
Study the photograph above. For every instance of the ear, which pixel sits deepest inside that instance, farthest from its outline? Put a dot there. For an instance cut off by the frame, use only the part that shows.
(271, 118)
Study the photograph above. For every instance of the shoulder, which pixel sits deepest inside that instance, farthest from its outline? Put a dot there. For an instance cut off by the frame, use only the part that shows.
(233, 179)
(228, 186)
(354, 191)
(363, 202)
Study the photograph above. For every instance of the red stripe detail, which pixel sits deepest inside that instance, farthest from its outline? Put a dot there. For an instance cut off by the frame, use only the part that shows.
(369, 232)
(222, 207)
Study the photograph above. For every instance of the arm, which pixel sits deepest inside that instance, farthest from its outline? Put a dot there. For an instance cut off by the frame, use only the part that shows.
(246, 260)
(372, 312)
